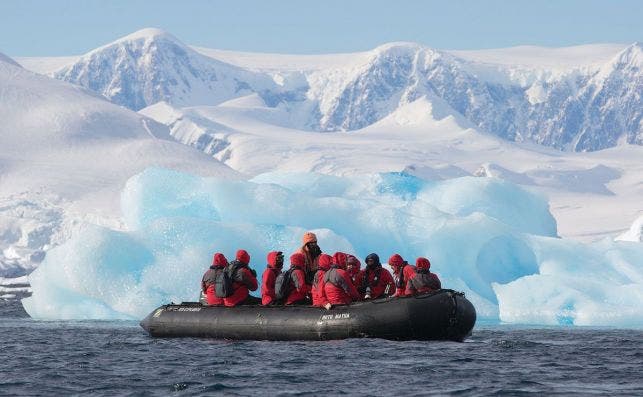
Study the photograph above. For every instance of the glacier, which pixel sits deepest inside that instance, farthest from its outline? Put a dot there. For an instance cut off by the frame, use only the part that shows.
(492, 239)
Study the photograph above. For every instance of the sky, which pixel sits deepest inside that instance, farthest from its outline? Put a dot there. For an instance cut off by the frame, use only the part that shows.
(72, 27)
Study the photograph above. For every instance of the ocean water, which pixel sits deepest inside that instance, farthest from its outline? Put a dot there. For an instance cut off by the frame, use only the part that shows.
(119, 358)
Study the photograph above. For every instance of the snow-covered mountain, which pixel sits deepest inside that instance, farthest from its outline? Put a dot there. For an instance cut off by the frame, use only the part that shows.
(151, 65)
(65, 154)
(583, 106)
(580, 110)
(403, 106)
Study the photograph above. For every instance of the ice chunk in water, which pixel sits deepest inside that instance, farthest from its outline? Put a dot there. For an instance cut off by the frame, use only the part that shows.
(492, 239)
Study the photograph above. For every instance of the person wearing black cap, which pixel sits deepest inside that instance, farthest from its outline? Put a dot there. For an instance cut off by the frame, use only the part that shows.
(374, 281)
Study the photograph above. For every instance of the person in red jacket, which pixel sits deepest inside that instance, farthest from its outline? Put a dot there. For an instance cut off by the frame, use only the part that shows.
(424, 280)
(275, 264)
(311, 252)
(317, 290)
(298, 287)
(244, 280)
(402, 272)
(374, 281)
(353, 266)
(219, 262)
(338, 286)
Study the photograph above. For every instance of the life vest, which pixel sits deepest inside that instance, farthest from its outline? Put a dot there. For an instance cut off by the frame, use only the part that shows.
(366, 286)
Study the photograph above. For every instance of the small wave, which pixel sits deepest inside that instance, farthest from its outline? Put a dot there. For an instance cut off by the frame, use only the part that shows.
(513, 344)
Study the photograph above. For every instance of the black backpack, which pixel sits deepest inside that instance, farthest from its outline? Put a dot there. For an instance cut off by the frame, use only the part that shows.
(283, 284)
(223, 281)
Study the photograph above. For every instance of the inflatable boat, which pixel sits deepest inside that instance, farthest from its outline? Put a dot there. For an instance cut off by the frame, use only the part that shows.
(440, 315)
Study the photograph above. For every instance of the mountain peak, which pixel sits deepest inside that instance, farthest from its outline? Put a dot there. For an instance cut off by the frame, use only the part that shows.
(630, 58)
(141, 39)
(151, 65)
(404, 49)
(398, 48)
(151, 34)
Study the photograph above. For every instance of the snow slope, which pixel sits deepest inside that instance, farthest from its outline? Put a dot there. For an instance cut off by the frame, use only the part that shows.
(45, 65)
(65, 154)
(635, 233)
(545, 58)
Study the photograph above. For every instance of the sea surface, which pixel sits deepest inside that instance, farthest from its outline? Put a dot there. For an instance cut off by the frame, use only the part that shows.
(119, 358)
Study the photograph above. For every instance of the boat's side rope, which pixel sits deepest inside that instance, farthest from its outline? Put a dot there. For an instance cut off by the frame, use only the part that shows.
(453, 315)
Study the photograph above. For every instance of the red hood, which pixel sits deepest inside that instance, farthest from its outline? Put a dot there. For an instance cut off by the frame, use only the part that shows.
(423, 263)
(297, 260)
(395, 260)
(272, 259)
(219, 260)
(354, 263)
(339, 259)
(324, 262)
(243, 257)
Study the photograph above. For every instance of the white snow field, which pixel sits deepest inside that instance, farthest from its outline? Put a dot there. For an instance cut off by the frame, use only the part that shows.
(246, 160)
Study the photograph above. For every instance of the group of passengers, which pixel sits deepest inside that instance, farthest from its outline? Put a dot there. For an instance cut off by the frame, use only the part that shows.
(314, 278)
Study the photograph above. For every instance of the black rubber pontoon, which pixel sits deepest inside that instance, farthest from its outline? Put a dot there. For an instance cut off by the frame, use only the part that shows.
(441, 315)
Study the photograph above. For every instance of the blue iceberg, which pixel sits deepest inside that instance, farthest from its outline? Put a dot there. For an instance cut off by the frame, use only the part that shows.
(492, 239)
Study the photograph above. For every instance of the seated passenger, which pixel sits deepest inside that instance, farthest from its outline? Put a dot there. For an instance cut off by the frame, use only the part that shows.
(219, 262)
(298, 289)
(402, 272)
(244, 280)
(353, 266)
(275, 264)
(311, 252)
(338, 287)
(317, 290)
(424, 280)
(374, 281)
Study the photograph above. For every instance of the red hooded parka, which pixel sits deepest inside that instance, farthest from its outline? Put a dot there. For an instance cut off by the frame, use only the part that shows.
(269, 276)
(244, 280)
(338, 286)
(219, 262)
(423, 280)
(402, 271)
(299, 289)
(375, 278)
(317, 291)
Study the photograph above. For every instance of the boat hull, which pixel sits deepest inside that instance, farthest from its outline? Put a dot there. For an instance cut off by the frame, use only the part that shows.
(442, 315)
